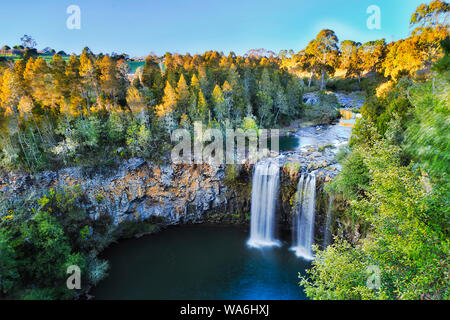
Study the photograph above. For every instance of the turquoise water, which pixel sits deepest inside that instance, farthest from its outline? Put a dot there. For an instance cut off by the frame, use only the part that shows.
(134, 65)
(200, 262)
(289, 143)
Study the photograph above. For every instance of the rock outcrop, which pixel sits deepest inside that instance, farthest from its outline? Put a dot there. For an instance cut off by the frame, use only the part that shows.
(138, 190)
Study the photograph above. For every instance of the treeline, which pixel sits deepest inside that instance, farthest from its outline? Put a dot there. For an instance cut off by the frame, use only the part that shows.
(86, 109)
(392, 242)
(324, 55)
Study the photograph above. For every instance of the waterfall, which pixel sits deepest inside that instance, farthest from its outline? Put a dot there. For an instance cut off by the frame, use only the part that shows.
(264, 195)
(304, 220)
(327, 235)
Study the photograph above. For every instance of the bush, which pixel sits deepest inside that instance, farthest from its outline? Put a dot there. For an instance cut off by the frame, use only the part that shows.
(353, 180)
(325, 111)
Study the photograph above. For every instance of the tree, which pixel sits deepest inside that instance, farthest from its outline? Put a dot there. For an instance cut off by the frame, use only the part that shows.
(76, 101)
(280, 103)
(306, 61)
(405, 57)
(325, 50)
(9, 92)
(88, 73)
(182, 95)
(165, 111)
(405, 237)
(265, 104)
(294, 97)
(135, 100)
(428, 132)
(195, 83)
(169, 104)
(228, 98)
(202, 107)
(351, 58)
(152, 79)
(60, 81)
(42, 84)
(218, 103)
(372, 55)
(28, 42)
(8, 265)
(108, 76)
(430, 16)
(203, 79)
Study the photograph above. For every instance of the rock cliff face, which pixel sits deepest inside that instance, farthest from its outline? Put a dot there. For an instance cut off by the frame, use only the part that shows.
(138, 190)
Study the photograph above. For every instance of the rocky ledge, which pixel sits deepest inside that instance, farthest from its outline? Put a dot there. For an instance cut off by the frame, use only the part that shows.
(137, 190)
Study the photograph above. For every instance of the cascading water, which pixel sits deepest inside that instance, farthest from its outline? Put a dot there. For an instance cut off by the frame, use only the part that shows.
(327, 236)
(265, 185)
(304, 220)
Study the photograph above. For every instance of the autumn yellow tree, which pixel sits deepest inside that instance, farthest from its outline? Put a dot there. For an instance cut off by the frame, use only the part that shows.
(169, 102)
(182, 95)
(108, 76)
(351, 58)
(325, 51)
(135, 100)
(9, 92)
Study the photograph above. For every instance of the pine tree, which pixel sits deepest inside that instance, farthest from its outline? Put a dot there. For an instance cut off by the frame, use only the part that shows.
(195, 83)
(42, 84)
(182, 95)
(19, 70)
(351, 58)
(9, 92)
(60, 81)
(218, 102)
(135, 100)
(108, 76)
(280, 104)
(28, 75)
(203, 79)
(228, 98)
(77, 104)
(88, 73)
(169, 102)
(202, 107)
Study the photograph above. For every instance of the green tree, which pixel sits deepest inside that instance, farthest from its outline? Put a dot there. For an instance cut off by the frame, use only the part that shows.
(325, 50)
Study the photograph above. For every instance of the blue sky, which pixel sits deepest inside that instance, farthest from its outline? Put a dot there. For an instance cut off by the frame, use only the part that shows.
(140, 26)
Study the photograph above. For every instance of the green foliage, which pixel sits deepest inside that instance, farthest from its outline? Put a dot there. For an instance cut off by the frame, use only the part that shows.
(394, 182)
(354, 178)
(41, 238)
(8, 264)
(43, 250)
(339, 273)
(347, 85)
(431, 114)
(138, 139)
(129, 229)
(325, 111)
(407, 237)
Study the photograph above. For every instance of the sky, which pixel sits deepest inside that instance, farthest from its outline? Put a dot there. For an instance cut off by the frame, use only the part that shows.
(141, 26)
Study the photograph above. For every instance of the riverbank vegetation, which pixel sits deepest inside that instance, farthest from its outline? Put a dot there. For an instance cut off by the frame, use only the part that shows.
(395, 182)
(87, 111)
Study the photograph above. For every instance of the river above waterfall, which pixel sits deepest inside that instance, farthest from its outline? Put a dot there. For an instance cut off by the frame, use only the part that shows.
(200, 262)
(336, 134)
